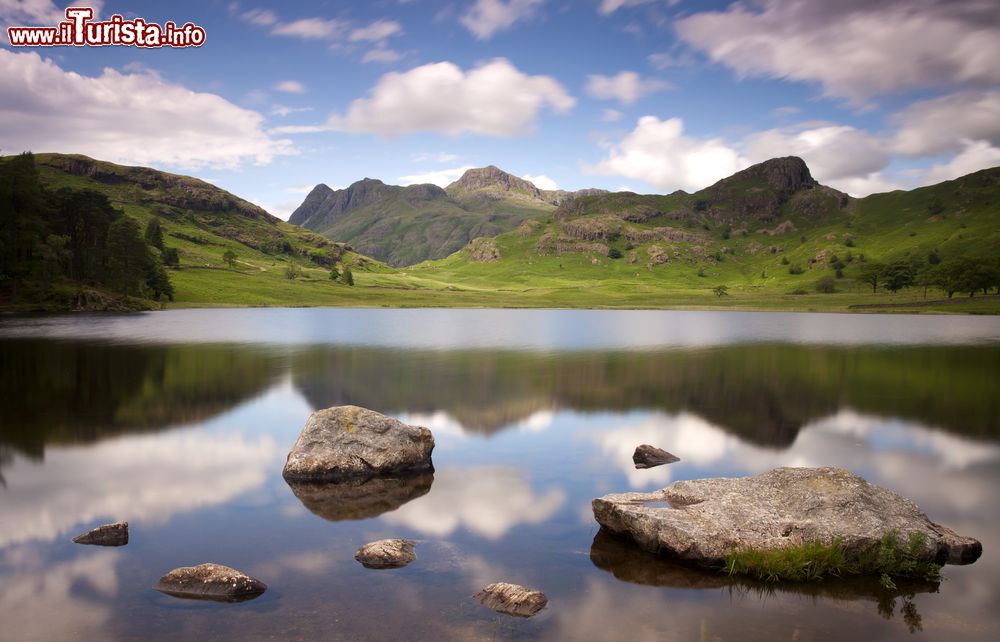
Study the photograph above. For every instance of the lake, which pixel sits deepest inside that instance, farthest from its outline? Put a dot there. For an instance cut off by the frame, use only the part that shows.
(179, 422)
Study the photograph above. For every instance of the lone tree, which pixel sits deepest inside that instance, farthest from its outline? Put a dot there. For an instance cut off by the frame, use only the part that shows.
(292, 272)
(230, 258)
(721, 290)
(348, 275)
(334, 272)
(871, 272)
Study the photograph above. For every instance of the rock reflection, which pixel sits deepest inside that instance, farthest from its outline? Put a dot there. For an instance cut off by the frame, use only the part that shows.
(360, 498)
(628, 563)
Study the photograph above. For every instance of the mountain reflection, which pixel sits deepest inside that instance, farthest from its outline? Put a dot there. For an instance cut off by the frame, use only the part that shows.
(763, 393)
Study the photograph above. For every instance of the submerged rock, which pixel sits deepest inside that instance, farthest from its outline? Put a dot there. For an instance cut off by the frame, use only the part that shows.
(105, 535)
(210, 582)
(512, 599)
(646, 456)
(703, 520)
(348, 441)
(386, 553)
(360, 497)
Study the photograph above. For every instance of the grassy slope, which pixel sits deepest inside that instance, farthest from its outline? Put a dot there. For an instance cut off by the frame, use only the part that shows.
(258, 278)
(883, 227)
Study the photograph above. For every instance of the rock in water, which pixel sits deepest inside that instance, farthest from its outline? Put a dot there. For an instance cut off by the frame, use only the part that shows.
(210, 582)
(106, 535)
(360, 497)
(348, 441)
(386, 553)
(512, 599)
(646, 456)
(704, 519)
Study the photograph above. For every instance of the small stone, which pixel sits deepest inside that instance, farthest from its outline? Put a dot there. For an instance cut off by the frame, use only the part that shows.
(386, 553)
(210, 582)
(512, 599)
(646, 456)
(106, 535)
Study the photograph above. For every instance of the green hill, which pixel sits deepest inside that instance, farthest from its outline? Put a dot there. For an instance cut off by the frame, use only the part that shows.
(199, 221)
(407, 225)
(769, 234)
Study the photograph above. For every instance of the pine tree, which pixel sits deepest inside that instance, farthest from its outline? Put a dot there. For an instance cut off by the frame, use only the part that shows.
(154, 233)
(128, 258)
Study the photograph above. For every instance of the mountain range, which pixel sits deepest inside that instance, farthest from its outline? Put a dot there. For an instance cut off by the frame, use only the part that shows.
(761, 238)
(406, 225)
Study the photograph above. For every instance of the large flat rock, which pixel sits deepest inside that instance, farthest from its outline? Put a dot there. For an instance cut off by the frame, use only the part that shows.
(348, 441)
(702, 520)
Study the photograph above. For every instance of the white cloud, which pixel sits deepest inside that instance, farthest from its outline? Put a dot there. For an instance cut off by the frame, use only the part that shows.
(487, 500)
(486, 17)
(625, 87)
(310, 29)
(290, 87)
(41, 12)
(854, 49)
(831, 151)
(976, 155)
(493, 99)
(659, 153)
(611, 115)
(872, 183)
(541, 181)
(126, 118)
(943, 125)
(376, 31)
(439, 177)
(284, 110)
(383, 55)
(260, 17)
(610, 6)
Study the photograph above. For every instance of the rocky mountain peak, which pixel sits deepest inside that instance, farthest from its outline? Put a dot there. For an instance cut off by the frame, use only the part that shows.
(787, 174)
(492, 178)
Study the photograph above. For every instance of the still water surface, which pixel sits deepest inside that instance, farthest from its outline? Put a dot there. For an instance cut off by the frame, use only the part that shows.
(179, 422)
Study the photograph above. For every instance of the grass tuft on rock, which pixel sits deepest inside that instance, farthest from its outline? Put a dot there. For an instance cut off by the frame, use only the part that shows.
(811, 561)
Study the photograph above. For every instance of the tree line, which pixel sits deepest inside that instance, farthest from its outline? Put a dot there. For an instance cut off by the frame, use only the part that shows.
(958, 274)
(74, 237)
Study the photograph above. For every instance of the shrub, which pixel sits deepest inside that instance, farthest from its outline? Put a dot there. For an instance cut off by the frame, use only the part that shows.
(812, 561)
(784, 260)
(849, 242)
(826, 285)
(614, 253)
(795, 269)
(721, 290)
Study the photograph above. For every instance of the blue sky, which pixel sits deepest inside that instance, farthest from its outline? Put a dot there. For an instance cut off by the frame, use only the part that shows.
(649, 95)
